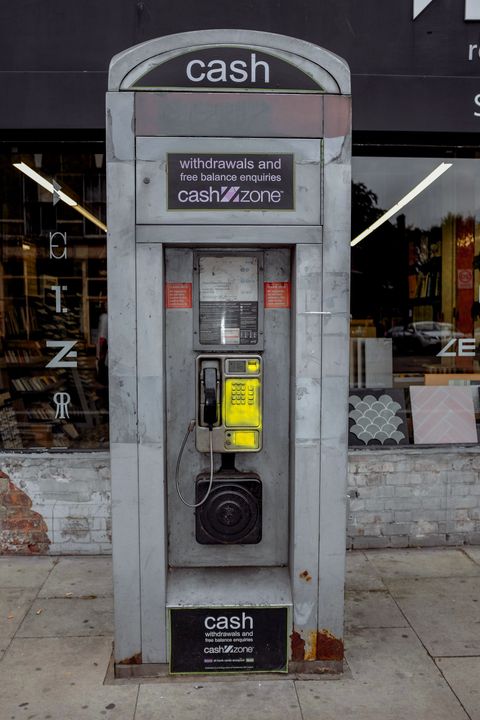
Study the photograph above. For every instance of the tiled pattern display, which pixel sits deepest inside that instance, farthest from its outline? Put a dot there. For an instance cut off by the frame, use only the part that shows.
(443, 415)
(377, 417)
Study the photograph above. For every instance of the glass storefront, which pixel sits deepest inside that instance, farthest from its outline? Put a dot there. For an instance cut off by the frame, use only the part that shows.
(53, 296)
(415, 302)
(415, 298)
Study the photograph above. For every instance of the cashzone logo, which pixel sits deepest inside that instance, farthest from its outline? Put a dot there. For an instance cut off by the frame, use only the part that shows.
(223, 181)
(472, 8)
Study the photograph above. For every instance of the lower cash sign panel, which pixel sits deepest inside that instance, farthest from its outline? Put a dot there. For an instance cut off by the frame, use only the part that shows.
(228, 640)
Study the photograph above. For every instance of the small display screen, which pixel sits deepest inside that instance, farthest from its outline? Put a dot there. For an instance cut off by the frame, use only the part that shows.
(236, 366)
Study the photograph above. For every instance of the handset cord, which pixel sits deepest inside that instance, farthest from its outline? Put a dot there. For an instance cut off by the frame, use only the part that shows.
(191, 425)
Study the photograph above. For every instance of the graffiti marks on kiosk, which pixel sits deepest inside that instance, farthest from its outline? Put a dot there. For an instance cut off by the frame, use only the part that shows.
(222, 181)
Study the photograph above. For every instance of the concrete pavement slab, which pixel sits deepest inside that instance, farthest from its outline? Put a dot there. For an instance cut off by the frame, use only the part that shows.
(463, 676)
(372, 610)
(392, 679)
(61, 679)
(240, 700)
(422, 563)
(80, 577)
(72, 617)
(24, 572)
(444, 612)
(473, 553)
(14, 605)
(361, 574)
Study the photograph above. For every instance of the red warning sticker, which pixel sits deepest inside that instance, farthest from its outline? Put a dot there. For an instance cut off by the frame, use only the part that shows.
(178, 295)
(277, 294)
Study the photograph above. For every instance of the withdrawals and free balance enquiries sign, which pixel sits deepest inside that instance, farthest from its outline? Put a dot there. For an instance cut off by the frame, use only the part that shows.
(222, 181)
(228, 640)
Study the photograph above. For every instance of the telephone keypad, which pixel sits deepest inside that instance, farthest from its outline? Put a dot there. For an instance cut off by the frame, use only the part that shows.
(241, 395)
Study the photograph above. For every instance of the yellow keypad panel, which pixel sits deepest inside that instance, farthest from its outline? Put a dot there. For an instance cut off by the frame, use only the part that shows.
(242, 402)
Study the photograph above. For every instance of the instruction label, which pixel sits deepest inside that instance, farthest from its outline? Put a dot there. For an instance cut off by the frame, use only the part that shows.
(178, 295)
(276, 295)
(228, 640)
(221, 181)
(228, 308)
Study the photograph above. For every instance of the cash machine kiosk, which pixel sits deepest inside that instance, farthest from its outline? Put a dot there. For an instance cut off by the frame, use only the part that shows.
(228, 264)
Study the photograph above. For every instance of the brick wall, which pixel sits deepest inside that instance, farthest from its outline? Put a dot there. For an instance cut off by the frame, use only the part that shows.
(69, 494)
(415, 497)
(60, 503)
(22, 530)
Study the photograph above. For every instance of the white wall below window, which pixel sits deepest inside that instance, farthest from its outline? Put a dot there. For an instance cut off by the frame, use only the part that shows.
(70, 491)
(415, 497)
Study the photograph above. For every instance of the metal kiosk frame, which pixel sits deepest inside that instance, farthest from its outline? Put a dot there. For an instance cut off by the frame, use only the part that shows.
(251, 93)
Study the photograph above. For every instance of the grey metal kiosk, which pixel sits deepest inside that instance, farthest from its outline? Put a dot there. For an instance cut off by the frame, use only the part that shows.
(228, 261)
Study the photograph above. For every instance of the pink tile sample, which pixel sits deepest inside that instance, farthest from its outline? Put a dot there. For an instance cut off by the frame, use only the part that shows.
(443, 415)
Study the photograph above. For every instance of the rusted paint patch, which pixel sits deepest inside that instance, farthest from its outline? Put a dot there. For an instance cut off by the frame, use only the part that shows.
(322, 645)
(311, 645)
(329, 647)
(303, 649)
(305, 575)
(134, 660)
(22, 530)
(297, 644)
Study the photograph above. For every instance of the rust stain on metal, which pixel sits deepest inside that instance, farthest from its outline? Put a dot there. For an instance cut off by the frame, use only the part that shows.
(305, 575)
(311, 645)
(134, 660)
(304, 649)
(322, 645)
(328, 646)
(298, 646)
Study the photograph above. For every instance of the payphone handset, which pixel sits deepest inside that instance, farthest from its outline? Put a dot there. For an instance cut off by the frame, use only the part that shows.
(229, 403)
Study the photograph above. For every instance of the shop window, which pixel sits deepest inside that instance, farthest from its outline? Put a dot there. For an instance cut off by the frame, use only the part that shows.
(415, 298)
(53, 297)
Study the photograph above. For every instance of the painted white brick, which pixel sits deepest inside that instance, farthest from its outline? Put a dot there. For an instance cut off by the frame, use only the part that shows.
(374, 504)
(401, 503)
(429, 490)
(403, 478)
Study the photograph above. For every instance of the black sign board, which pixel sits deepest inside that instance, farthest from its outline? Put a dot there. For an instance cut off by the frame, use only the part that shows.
(220, 181)
(221, 640)
(220, 68)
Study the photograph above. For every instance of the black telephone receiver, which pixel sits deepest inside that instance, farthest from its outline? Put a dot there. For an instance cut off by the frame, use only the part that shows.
(210, 415)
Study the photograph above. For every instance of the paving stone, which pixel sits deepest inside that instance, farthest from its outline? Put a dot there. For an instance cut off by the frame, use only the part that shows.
(24, 572)
(462, 674)
(361, 574)
(14, 605)
(61, 679)
(473, 553)
(81, 577)
(422, 563)
(444, 612)
(51, 617)
(374, 609)
(393, 678)
(242, 700)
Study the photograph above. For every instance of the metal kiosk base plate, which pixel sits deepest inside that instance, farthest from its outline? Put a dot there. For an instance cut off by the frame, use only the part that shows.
(228, 620)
